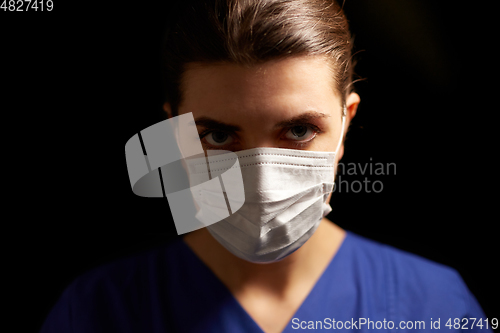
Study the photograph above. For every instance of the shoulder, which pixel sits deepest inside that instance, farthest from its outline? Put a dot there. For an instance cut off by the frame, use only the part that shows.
(123, 272)
(413, 285)
(123, 292)
(400, 263)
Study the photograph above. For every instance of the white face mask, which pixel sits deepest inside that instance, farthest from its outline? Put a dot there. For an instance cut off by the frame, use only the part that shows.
(285, 199)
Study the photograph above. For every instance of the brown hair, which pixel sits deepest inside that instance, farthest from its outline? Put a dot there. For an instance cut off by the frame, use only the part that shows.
(248, 32)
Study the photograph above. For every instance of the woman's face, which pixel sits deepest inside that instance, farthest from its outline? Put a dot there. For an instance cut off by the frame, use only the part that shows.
(287, 103)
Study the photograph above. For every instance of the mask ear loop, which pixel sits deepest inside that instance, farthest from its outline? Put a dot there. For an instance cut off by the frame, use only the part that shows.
(344, 113)
(326, 207)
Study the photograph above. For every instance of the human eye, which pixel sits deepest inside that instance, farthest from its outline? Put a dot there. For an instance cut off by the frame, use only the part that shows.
(302, 134)
(216, 138)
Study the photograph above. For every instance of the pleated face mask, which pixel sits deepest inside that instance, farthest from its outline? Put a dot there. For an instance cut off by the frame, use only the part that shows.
(285, 198)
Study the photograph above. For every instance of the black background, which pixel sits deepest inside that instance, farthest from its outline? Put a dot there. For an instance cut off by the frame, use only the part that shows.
(82, 79)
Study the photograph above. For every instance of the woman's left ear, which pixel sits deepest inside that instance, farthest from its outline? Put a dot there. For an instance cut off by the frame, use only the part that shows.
(352, 103)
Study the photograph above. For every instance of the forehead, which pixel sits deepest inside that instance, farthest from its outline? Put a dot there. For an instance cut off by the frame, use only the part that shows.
(296, 82)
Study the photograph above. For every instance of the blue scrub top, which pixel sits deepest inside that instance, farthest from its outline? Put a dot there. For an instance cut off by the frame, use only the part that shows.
(171, 290)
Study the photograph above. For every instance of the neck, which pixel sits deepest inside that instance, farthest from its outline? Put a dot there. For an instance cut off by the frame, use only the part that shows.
(239, 275)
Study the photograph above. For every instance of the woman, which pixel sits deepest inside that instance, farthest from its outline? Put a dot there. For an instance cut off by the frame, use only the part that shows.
(270, 81)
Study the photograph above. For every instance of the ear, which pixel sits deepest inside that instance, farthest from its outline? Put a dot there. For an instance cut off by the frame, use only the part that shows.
(167, 109)
(352, 103)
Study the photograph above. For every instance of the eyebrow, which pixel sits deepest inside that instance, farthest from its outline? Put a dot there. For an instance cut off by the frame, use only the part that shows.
(215, 124)
(302, 118)
(218, 125)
